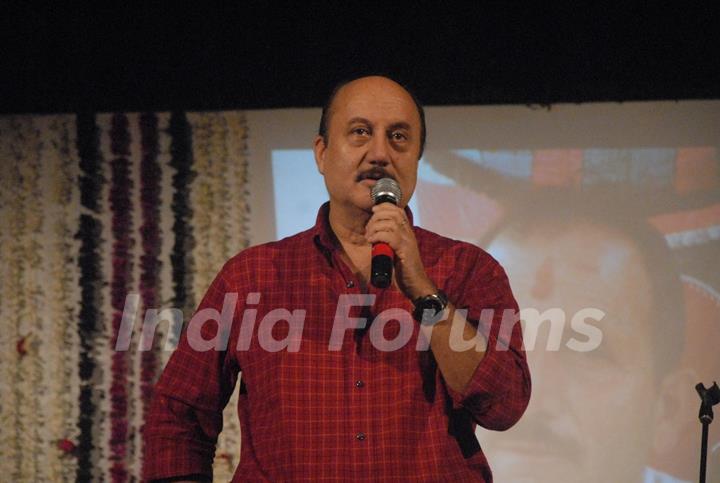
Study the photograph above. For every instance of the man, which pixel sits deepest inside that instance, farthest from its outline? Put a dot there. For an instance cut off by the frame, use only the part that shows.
(341, 401)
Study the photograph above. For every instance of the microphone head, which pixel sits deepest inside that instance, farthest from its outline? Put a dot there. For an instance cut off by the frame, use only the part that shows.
(386, 190)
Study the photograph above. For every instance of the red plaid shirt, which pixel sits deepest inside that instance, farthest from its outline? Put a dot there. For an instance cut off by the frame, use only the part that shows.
(358, 413)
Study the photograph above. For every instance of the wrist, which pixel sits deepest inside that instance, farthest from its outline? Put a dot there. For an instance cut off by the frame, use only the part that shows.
(427, 287)
(431, 309)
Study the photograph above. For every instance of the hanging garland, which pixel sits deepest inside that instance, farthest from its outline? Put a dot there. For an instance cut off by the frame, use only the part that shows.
(121, 208)
(8, 353)
(181, 149)
(52, 356)
(61, 370)
(133, 356)
(13, 344)
(165, 291)
(202, 202)
(29, 368)
(6, 342)
(90, 282)
(101, 455)
(237, 133)
(35, 451)
(150, 177)
(217, 152)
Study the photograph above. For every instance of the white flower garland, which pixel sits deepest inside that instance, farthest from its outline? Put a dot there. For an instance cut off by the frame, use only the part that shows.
(11, 275)
(37, 302)
(28, 373)
(103, 355)
(237, 167)
(202, 205)
(61, 344)
(212, 203)
(135, 405)
(166, 292)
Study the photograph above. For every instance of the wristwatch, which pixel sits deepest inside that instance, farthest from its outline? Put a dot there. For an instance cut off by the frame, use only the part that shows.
(437, 302)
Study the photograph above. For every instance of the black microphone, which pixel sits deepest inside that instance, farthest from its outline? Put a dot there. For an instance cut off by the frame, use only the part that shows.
(386, 190)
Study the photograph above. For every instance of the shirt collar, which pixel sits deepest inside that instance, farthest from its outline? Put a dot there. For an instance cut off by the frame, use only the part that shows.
(323, 235)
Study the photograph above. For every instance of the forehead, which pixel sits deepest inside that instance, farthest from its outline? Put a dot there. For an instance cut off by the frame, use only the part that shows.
(375, 99)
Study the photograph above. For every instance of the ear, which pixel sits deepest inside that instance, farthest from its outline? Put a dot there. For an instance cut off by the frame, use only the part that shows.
(319, 148)
(675, 408)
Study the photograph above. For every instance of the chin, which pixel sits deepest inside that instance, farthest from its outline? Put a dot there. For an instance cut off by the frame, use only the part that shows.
(361, 197)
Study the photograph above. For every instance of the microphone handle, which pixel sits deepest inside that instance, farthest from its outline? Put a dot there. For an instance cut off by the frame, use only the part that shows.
(383, 256)
(382, 265)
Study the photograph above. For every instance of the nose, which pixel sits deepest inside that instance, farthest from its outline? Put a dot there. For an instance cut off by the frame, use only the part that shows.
(379, 151)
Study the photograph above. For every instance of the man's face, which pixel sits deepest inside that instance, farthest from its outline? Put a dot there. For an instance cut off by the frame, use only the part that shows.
(374, 127)
(591, 414)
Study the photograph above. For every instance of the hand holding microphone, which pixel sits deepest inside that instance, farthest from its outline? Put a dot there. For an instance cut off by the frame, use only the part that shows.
(389, 228)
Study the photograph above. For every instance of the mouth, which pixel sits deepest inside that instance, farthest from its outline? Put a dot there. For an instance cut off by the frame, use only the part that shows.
(373, 176)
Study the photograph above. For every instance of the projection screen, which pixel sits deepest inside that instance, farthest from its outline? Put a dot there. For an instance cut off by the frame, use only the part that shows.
(613, 207)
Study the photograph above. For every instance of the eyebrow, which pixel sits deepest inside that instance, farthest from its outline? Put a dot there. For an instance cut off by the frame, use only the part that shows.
(395, 125)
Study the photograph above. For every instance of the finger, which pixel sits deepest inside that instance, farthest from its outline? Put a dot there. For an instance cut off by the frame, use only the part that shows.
(383, 218)
(383, 225)
(387, 208)
(391, 212)
(389, 237)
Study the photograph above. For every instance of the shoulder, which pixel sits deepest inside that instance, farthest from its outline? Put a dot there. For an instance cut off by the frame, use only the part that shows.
(263, 260)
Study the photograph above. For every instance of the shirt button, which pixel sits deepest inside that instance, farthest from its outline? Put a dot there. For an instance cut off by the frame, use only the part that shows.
(360, 436)
(359, 383)
(350, 284)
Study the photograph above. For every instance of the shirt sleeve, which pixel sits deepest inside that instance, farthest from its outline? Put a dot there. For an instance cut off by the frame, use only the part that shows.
(499, 391)
(185, 416)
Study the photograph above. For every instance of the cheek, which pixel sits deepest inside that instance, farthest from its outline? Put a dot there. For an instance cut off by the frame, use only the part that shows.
(408, 181)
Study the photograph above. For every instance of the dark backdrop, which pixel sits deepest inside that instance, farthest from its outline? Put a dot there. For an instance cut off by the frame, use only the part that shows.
(163, 56)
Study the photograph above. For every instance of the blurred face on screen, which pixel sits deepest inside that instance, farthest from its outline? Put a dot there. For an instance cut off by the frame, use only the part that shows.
(373, 130)
(591, 414)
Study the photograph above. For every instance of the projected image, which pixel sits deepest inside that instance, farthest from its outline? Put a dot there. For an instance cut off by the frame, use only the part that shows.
(595, 228)
(632, 232)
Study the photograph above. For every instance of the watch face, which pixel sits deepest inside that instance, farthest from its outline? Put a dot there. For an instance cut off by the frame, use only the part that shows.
(432, 303)
(428, 309)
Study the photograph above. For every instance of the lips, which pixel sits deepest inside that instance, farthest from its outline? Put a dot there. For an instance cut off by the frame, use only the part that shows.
(373, 174)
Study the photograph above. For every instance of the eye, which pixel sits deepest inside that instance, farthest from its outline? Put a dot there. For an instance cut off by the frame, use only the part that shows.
(398, 136)
(360, 131)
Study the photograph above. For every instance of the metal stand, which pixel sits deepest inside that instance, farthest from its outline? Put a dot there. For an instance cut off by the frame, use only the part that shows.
(708, 398)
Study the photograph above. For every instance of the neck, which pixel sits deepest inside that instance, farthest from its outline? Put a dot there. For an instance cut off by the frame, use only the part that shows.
(348, 224)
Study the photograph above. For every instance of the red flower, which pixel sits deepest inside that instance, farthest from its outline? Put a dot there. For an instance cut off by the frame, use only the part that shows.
(66, 446)
(21, 347)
